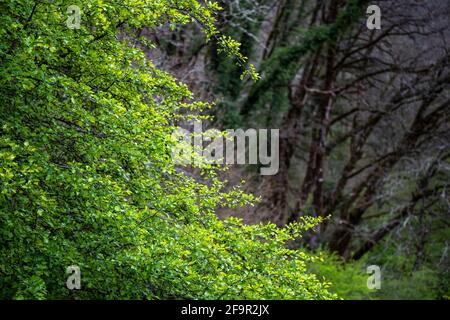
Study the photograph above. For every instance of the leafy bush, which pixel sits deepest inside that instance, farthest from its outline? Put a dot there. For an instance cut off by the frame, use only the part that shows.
(86, 173)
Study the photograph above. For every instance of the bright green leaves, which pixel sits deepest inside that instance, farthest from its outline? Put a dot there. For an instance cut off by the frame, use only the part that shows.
(87, 177)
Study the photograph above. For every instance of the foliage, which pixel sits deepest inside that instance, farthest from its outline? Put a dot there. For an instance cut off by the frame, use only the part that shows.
(284, 63)
(348, 280)
(86, 173)
(410, 271)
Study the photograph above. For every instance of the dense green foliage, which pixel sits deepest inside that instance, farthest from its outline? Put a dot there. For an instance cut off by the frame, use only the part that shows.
(87, 177)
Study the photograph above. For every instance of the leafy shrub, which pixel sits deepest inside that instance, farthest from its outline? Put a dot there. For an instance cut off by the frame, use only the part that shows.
(86, 173)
